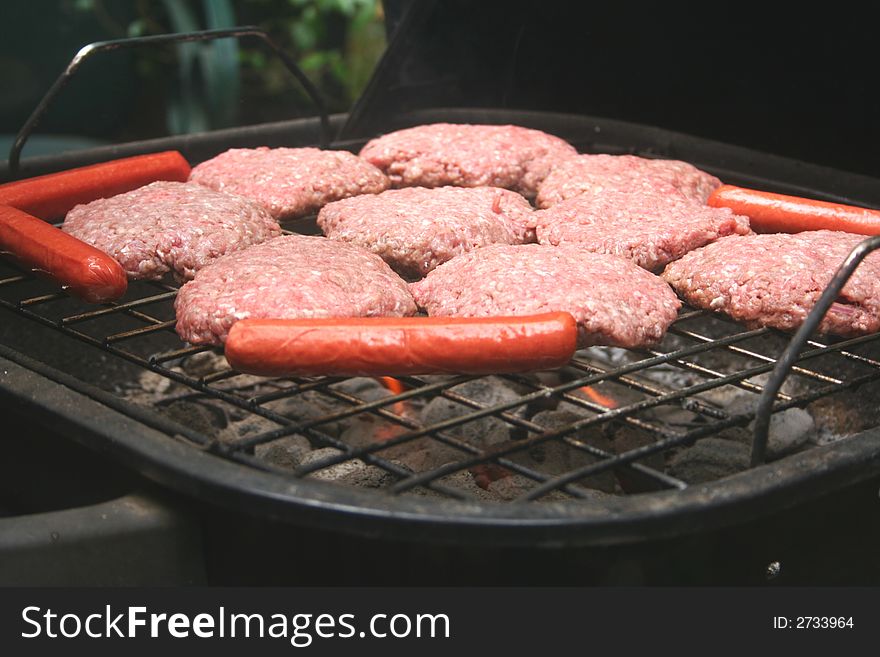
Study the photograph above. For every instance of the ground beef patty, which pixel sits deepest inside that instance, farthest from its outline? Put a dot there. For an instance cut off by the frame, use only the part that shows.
(613, 301)
(289, 277)
(418, 228)
(465, 155)
(170, 226)
(649, 226)
(596, 173)
(775, 279)
(290, 182)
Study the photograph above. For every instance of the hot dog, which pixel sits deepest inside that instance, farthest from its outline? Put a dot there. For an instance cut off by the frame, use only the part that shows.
(80, 268)
(379, 346)
(778, 213)
(53, 195)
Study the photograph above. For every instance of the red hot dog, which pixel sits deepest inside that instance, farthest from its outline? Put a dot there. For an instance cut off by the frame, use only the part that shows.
(80, 268)
(53, 195)
(389, 346)
(778, 213)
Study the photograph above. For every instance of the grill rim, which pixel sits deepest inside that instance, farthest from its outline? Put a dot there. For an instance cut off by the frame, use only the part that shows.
(718, 503)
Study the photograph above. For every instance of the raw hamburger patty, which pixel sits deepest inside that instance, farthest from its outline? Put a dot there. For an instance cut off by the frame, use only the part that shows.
(290, 182)
(775, 279)
(613, 301)
(289, 277)
(649, 226)
(597, 173)
(465, 155)
(170, 226)
(416, 229)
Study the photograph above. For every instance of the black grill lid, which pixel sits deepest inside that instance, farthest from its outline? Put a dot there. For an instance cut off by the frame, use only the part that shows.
(799, 84)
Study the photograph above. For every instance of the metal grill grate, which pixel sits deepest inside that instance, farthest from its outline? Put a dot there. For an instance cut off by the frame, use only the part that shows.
(667, 395)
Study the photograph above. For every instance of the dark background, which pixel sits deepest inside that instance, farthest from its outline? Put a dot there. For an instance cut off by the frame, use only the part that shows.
(797, 80)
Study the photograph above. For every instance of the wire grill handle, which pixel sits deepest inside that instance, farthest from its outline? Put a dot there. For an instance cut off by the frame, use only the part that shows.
(788, 358)
(160, 39)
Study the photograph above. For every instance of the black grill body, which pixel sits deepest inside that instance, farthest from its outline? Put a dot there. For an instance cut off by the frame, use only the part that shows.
(221, 488)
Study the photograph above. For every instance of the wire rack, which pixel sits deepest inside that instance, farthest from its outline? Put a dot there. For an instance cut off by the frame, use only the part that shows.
(668, 396)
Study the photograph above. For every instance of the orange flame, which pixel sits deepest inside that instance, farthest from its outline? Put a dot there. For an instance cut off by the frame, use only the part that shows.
(395, 387)
(599, 398)
(392, 384)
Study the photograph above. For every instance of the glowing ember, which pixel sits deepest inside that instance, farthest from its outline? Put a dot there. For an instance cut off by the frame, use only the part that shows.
(596, 396)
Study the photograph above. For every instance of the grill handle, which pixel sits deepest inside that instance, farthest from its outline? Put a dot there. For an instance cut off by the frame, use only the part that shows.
(160, 39)
(792, 352)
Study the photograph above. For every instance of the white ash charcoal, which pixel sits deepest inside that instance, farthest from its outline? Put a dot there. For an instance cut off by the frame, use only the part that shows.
(490, 391)
(370, 390)
(367, 429)
(739, 434)
(310, 405)
(614, 356)
(625, 438)
(464, 481)
(203, 364)
(244, 384)
(423, 454)
(789, 430)
(152, 388)
(319, 455)
(154, 383)
(561, 418)
(516, 485)
(671, 415)
(420, 454)
(353, 472)
(667, 375)
(362, 387)
(248, 386)
(838, 416)
(484, 432)
(207, 419)
(709, 459)
(286, 452)
(255, 385)
(726, 396)
(555, 457)
(826, 436)
(424, 492)
(512, 487)
(248, 427)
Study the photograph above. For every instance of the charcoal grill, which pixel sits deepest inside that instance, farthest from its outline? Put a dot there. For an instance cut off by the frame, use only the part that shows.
(97, 353)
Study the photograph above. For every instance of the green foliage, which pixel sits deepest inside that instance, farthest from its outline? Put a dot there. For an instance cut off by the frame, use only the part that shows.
(336, 43)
